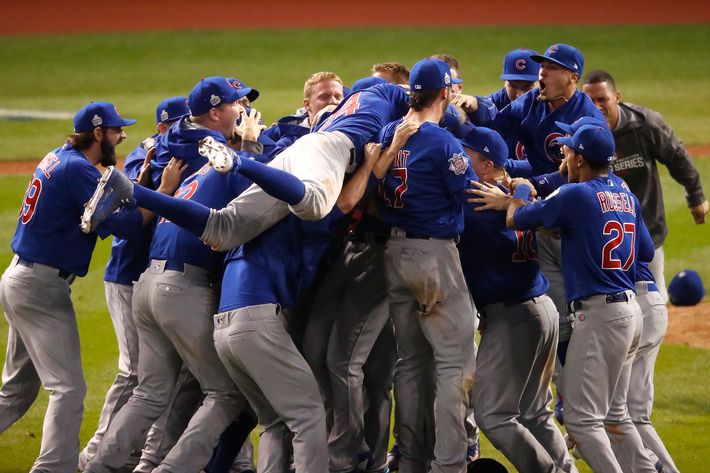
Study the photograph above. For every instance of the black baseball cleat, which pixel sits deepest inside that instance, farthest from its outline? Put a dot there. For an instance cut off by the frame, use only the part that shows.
(115, 190)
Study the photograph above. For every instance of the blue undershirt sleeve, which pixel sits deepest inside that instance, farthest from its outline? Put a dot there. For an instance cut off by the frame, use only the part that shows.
(188, 214)
(275, 182)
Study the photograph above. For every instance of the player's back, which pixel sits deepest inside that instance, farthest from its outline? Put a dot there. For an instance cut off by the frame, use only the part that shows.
(424, 189)
(362, 114)
(48, 229)
(211, 189)
(601, 233)
(500, 264)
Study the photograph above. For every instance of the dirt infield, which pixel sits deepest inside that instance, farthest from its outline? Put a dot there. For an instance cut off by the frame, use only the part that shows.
(689, 325)
(74, 16)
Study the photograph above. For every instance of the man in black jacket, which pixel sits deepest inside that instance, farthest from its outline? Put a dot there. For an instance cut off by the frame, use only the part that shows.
(642, 138)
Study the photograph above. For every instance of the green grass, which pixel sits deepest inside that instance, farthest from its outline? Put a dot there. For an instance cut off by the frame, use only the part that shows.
(663, 67)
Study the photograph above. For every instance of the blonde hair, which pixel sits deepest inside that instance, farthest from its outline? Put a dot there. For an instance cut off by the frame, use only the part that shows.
(399, 72)
(319, 77)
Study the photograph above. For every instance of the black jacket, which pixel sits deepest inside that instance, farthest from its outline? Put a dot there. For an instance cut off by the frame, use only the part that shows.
(642, 141)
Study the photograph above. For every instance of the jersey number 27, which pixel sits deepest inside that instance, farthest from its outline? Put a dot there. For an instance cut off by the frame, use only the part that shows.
(618, 232)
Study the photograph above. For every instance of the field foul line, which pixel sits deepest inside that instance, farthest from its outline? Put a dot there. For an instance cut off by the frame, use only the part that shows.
(13, 114)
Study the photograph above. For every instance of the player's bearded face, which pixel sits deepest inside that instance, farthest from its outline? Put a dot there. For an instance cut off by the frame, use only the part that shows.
(108, 151)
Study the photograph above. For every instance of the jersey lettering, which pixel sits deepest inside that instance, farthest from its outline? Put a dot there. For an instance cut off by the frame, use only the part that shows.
(524, 246)
(48, 164)
(30, 203)
(619, 232)
(348, 108)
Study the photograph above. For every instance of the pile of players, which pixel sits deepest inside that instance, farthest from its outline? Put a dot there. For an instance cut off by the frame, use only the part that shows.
(290, 276)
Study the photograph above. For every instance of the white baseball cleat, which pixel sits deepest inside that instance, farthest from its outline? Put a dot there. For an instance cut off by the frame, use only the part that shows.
(219, 155)
(115, 190)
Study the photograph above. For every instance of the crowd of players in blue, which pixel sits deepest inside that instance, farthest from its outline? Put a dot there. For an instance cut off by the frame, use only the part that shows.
(428, 209)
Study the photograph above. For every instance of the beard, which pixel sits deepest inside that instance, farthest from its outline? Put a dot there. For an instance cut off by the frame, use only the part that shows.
(108, 153)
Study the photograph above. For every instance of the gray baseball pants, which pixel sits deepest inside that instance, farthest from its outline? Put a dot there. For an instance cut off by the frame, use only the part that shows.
(595, 382)
(434, 327)
(263, 361)
(640, 397)
(361, 315)
(656, 266)
(318, 159)
(118, 300)
(511, 394)
(173, 314)
(43, 349)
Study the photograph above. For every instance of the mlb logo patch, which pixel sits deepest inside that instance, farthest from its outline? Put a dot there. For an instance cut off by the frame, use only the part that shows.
(458, 163)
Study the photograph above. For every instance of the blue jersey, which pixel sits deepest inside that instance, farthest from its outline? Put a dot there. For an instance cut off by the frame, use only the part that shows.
(424, 189)
(211, 189)
(643, 272)
(181, 141)
(278, 264)
(516, 149)
(129, 258)
(362, 114)
(286, 131)
(602, 231)
(48, 230)
(499, 264)
(531, 122)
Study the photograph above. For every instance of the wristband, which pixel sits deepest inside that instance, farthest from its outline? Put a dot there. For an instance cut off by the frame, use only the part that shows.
(522, 192)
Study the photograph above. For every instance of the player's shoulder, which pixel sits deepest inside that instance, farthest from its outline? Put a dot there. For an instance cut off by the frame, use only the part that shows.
(648, 116)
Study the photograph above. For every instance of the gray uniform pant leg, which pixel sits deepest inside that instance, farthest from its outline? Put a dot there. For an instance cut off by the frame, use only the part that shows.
(379, 378)
(430, 303)
(595, 382)
(657, 268)
(549, 256)
(44, 333)
(260, 356)
(640, 397)
(165, 432)
(245, 457)
(511, 394)
(362, 314)
(118, 300)
(318, 159)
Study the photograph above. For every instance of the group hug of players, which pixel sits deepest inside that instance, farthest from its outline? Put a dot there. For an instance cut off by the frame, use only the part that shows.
(291, 276)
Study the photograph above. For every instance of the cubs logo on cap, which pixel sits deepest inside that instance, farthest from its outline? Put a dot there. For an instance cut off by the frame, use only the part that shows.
(564, 55)
(517, 65)
(249, 92)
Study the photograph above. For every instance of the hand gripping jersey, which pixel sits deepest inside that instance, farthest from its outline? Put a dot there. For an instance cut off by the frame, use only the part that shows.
(599, 251)
(424, 190)
(48, 229)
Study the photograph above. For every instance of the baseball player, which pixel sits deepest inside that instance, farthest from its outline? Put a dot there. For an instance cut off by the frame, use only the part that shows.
(392, 72)
(421, 198)
(604, 247)
(127, 261)
(642, 139)
(320, 90)
(349, 318)
(174, 301)
(519, 326)
(50, 252)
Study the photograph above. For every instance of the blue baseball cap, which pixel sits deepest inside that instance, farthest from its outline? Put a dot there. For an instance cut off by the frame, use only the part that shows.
(252, 94)
(103, 114)
(212, 92)
(580, 122)
(594, 142)
(487, 142)
(565, 55)
(431, 74)
(686, 288)
(367, 82)
(171, 109)
(518, 65)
